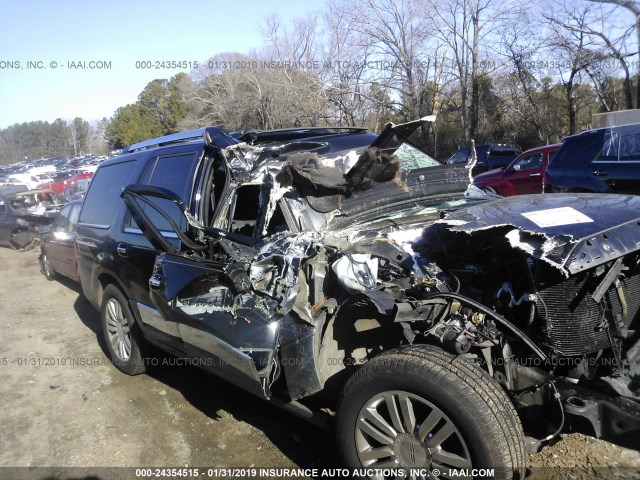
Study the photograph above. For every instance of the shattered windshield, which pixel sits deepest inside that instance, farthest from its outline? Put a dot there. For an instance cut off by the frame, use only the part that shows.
(412, 158)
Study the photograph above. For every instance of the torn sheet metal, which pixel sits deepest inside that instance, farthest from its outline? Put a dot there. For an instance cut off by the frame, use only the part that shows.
(274, 271)
(270, 194)
(565, 239)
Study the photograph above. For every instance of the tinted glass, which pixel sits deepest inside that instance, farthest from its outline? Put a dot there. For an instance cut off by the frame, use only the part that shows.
(175, 173)
(103, 198)
(530, 161)
(73, 217)
(61, 223)
(621, 145)
(461, 156)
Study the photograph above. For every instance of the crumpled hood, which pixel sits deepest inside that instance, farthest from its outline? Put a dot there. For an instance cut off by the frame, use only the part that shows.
(573, 232)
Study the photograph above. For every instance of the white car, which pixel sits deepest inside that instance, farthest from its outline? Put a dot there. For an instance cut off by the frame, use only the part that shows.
(31, 181)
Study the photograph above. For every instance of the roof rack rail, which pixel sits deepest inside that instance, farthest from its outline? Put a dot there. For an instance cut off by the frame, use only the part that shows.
(181, 137)
(212, 136)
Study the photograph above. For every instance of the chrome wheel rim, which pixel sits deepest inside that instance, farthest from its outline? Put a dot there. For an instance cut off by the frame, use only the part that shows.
(118, 330)
(46, 267)
(402, 431)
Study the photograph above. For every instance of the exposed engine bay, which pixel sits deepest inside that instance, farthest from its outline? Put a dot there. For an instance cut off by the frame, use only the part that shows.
(542, 291)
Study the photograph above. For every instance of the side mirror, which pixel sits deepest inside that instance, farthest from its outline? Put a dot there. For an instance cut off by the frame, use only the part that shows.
(516, 167)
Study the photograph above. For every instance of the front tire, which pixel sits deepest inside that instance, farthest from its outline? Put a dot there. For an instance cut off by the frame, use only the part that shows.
(120, 332)
(46, 268)
(422, 410)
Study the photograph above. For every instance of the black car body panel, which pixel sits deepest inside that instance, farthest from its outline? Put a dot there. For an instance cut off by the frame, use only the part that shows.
(572, 232)
(605, 160)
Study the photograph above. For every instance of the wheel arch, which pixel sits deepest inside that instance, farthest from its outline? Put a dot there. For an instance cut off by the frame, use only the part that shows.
(353, 335)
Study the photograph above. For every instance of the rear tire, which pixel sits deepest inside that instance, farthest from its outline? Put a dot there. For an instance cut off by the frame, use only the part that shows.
(121, 333)
(420, 408)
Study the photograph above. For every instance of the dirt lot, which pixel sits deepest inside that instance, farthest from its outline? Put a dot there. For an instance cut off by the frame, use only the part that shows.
(64, 405)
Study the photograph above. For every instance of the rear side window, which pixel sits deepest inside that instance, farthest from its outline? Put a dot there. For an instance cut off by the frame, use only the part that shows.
(175, 173)
(99, 208)
(461, 156)
(621, 145)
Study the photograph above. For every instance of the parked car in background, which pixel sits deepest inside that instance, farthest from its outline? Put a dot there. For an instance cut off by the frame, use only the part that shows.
(31, 181)
(599, 160)
(77, 191)
(12, 187)
(58, 244)
(488, 157)
(59, 186)
(56, 184)
(23, 213)
(522, 176)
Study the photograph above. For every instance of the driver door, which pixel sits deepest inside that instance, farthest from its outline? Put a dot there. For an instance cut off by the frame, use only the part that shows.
(525, 174)
(203, 288)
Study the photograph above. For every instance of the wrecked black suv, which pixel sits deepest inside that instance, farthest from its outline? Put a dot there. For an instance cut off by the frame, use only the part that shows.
(433, 329)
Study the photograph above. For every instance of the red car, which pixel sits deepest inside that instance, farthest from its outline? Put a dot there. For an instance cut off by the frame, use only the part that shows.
(60, 185)
(520, 177)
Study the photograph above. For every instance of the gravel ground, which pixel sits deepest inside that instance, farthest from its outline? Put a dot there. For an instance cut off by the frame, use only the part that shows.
(65, 405)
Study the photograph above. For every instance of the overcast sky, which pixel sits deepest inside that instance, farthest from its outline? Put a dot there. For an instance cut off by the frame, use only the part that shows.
(51, 34)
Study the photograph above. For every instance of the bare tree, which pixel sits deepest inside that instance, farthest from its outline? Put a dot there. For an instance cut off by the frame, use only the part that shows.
(634, 8)
(465, 26)
(608, 44)
(575, 51)
(295, 52)
(399, 35)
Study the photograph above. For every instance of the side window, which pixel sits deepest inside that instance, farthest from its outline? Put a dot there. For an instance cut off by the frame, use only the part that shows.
(610, 148)
(630, 146)
(80, 187)
(175, 173)
(461, 156)
(530, 161)
(61, 223)
(73, 218)
(621, 145)
(104, 194)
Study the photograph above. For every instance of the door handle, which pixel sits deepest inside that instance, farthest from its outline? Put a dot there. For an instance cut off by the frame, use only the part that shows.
(122, 250)
(600, 173)
(156, 281)
(535, 174)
